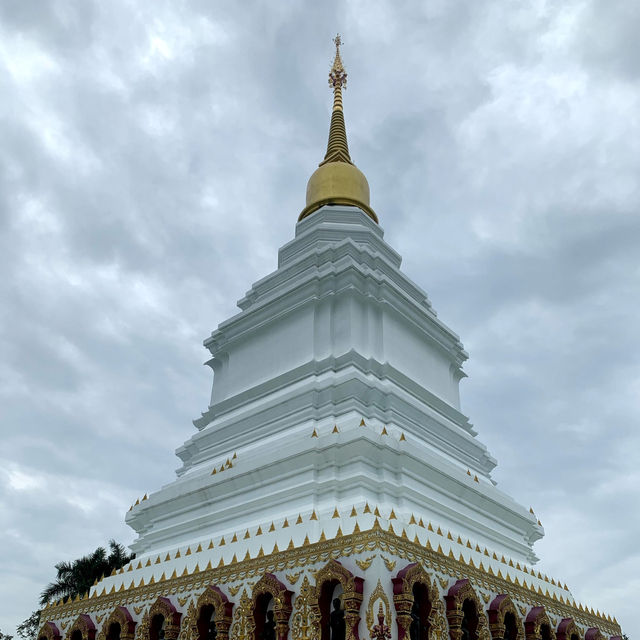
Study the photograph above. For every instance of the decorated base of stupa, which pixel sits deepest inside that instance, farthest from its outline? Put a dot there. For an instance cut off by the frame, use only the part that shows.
(372, 570)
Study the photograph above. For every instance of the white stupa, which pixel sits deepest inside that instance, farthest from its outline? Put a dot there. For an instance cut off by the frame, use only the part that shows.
(333, 461)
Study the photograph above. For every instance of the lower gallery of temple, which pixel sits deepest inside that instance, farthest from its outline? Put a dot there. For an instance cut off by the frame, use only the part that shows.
(385, 581)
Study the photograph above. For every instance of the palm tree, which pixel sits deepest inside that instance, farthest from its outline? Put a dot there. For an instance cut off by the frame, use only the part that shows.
(77, 577)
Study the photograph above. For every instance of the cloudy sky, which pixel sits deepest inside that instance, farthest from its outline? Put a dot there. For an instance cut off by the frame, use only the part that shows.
(154, 156)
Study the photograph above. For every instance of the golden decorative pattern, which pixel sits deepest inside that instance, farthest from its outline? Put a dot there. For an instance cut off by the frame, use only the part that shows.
(486, 597)
(438, 629)
(372, 540)
(243, 626)
(380, 597)
(99, 619)
(183, 601)
(234, 590)
(190, 620)
(304, 620)
(365, 563)
(293, 577)
(389, 563)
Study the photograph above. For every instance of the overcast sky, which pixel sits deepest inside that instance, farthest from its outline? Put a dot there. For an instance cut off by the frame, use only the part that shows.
(154, 156)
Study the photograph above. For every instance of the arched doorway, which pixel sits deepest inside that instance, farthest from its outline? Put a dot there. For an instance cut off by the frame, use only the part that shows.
(413, 598)
(464, 612)
(271, 609)
(338, 596)
(537, 625)
(504, 621)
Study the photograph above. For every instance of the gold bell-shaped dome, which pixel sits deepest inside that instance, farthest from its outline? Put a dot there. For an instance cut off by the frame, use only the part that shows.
(337, 180)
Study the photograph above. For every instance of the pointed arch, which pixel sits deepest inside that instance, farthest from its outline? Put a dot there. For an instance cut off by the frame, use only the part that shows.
(593, 633)
(500, 606)
(462, 604)
(537, 625)
(406, 584)
(327, 578)
(49, 631)
(121, 616)
(162, 607)
(266, 588)
(568, 630)
(82, 625)
(213, 596)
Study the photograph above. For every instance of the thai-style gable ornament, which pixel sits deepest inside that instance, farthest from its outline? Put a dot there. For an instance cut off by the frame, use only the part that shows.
(458, 594)
(222, 613)
(163, 607)
(121, 616)
(535, 624)
(269, 584)
(84, 625)
(568, 630)
(497, 610)
(403, 596)
(352, 592)
(49, 631)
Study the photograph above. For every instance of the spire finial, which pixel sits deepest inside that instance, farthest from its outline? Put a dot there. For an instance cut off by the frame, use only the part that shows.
(337, 148)
(337, 180)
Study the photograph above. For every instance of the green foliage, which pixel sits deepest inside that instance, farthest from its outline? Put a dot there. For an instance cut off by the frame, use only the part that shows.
(77, 577)
(28, 629)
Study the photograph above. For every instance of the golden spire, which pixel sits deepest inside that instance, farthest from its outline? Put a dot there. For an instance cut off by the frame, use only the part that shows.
(337, 148)
(337, 180)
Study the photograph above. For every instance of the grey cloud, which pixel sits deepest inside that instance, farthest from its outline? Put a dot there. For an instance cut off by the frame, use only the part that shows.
(155, 157)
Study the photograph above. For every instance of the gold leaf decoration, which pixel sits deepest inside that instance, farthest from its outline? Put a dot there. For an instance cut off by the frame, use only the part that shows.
(243, 626)
(304, 622)
(234, 590)
(389, 563)
(293, 577)
(365, 563)
(378, 597)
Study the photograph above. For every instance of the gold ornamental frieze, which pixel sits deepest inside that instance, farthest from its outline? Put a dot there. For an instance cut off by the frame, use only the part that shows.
(448, 570)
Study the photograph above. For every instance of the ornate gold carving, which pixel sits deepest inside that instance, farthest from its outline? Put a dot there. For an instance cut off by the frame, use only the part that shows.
(389, 563)
(378, 596)
(234, 590)
(403, 594)
(438, 629)
(333, 571)
(49, 631)
(365, 563)
(243, 625)
(458, 594)
(443, 582)
(293, 577)
(190, 621)
(534, 621)
(99, 619)
(374, 539)
(281, 602)
(501, 605)
(305, 624)
(486, 597)
(523, 609)
(84, 624)
(162, 606)
(222, 613)
(183, 601)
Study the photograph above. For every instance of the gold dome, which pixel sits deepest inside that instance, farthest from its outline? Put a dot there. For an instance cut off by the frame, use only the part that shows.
(337, 180)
